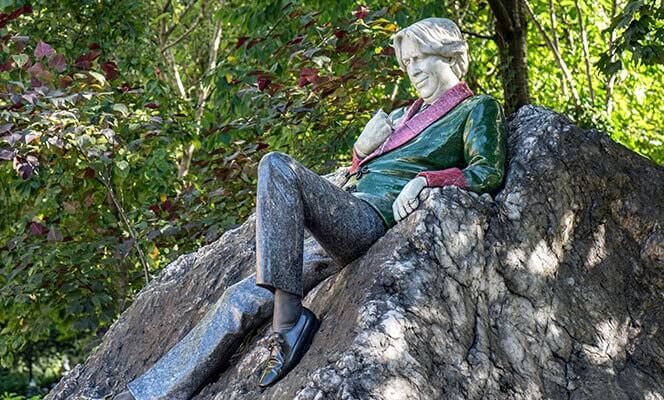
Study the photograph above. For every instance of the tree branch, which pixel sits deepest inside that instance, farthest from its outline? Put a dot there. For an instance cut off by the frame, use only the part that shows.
(478, 35)
(180, 17)
(557, 56)
(501, 14)
(586, 55)
(185, 34)
(554, 32)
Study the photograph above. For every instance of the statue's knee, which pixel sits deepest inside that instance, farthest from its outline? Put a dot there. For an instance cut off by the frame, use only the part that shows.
(273, 159)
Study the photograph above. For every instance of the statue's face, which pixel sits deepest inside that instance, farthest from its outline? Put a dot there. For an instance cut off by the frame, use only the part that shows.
(430, 74)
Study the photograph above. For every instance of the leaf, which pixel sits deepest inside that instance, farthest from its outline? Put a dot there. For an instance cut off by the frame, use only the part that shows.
(110, 70)
(20, 59)
(6, 155)
(37, 229)
(121, 108)
(99, 77)
(122, 165)
(43, 50)
(54, 235)
(57, 62)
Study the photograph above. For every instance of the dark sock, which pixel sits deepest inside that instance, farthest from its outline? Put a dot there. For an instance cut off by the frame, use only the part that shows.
(287, 309)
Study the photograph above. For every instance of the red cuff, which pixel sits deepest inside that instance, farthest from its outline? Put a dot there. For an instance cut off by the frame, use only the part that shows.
(445, 177)
(356, 162)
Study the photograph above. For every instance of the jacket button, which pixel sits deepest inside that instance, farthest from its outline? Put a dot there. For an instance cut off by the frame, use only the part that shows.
(364, 170)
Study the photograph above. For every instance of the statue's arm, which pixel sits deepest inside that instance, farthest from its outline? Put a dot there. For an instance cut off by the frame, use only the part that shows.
(484, 152)
(392, 120)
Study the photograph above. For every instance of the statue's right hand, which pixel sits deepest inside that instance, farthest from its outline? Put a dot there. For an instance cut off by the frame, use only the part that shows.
(375, 132)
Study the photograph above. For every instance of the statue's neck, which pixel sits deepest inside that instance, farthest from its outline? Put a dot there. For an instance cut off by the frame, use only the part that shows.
(442, 90)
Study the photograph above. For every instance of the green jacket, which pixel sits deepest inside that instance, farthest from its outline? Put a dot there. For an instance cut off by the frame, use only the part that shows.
(464, 147)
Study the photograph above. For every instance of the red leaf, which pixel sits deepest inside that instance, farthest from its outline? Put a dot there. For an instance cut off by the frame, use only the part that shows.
(388, 51)
(37, 229)
(43, 50)
(89, 173)
(6, 18)
(361, 12)
(64, 81)
(125, 87)
(110, 70)
(57, 62)
(167, 205)
(296, 40)
(94, 46)
(261, 146)
(152, 105)
(7, 66)
(340, 34)
(85, 61)
(307, 76)
(241, 41)
(253, 43)
(263, 81)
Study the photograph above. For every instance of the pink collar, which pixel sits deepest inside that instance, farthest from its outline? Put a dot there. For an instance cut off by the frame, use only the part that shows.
(412, 124)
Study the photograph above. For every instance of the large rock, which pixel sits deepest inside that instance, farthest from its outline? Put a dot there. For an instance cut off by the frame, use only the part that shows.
(555, 289)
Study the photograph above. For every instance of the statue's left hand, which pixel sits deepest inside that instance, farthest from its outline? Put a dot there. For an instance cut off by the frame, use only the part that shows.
(408, 199)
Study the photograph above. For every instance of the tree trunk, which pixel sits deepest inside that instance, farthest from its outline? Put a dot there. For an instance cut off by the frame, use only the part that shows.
(551, 291)
(511, 33)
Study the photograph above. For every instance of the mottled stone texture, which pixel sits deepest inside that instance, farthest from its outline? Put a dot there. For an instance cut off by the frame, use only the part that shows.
(554, 290)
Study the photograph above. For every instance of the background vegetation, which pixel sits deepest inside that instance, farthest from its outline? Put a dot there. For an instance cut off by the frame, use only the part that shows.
(130, 131)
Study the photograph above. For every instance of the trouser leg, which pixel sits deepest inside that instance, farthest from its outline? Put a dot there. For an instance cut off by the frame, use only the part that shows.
(291, 198)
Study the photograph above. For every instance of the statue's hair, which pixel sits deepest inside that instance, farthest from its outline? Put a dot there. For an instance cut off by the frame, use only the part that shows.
(436, 36)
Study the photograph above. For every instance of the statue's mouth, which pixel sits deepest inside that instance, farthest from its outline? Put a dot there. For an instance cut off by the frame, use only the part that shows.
(421, 82)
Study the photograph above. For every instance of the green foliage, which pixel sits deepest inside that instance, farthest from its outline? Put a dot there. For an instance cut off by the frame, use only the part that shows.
(101, 102)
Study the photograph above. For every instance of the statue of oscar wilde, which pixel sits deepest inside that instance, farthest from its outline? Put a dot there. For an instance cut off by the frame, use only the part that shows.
(447, 137)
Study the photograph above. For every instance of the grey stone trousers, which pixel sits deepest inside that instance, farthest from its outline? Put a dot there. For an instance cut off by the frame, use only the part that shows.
(291, 198)
(342, 224)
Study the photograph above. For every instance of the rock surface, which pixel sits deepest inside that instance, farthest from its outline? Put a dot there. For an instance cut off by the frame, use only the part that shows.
(553, 290)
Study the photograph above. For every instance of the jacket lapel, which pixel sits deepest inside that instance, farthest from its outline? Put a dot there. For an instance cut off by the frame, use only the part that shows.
(413, 124)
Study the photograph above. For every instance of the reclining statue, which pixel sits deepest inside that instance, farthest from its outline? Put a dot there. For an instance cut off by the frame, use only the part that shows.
(447, 137)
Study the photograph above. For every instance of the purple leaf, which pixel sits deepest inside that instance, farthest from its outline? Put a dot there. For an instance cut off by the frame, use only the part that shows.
(43, 50)
(6, 127)
(54, 234)
(35, 69)
(12, 139)
(37, 229)
(6, 155)
(24, 170)
(57, 62)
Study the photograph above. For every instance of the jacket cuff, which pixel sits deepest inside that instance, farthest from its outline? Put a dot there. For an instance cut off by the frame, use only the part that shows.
(445, 177)
(356, 161)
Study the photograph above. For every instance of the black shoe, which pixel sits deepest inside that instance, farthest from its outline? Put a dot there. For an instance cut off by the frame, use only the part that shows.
(287, 349)
(126, 395)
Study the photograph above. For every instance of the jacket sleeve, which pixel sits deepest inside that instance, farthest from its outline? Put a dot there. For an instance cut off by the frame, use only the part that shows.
(484, 149)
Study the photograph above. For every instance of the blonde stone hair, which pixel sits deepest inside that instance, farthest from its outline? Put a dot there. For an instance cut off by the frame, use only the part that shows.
(439, 37)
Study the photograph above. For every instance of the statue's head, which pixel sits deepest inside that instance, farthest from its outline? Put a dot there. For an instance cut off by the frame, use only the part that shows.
(434, 55)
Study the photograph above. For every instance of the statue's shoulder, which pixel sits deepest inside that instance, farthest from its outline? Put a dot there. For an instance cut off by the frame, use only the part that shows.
(483, 104)
(485, 100)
